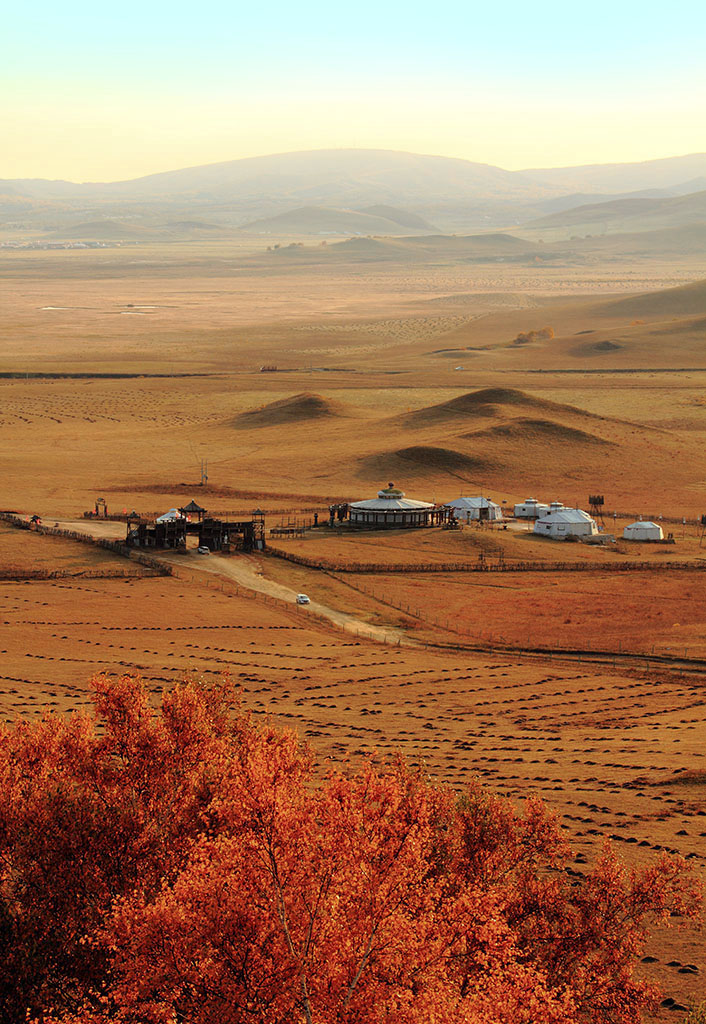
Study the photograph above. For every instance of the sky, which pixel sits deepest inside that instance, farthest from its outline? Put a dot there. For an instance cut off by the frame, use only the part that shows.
(102, 92)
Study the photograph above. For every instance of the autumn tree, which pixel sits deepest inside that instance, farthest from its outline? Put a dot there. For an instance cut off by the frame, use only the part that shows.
(91, 809)
(527, 337)
(190, 865)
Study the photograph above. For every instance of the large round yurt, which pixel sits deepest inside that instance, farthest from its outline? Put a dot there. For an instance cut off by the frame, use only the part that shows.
(479, 508)
(390, 509)
(566, 522)
(644, 531)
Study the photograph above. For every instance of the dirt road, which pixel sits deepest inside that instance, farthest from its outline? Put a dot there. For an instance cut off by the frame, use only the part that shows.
(246, 571)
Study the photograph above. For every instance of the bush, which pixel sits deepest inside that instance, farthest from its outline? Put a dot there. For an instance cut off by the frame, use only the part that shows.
(525, 338)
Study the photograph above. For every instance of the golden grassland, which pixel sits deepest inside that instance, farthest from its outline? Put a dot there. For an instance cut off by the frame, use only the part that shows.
(24, 552)
(663, 612)
(367, 390)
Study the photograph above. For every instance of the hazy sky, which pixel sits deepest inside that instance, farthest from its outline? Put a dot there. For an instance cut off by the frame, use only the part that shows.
(102, 92)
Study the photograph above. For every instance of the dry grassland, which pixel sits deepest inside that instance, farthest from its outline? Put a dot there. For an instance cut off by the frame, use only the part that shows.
(368, 391)
(472, 542)
(24, 552)
(139, 440)
(658, 612)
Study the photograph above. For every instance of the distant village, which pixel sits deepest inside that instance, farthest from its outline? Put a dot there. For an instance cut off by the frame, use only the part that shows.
(390, 509)
(63, 245)
(554, 520)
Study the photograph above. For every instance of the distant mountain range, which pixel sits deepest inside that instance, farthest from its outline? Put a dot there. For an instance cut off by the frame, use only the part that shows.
(672, 172)
(348, 191)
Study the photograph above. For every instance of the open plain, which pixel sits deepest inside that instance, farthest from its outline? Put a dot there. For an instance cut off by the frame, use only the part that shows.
(124, 370)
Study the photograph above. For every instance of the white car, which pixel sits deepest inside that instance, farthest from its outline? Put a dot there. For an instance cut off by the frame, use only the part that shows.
(203, 550)
(303, 599)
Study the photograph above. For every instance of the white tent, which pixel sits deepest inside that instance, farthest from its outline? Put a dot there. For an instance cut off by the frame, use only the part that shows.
(476, 508)
(643, 531)
(566, 522)
(171, 515)
(530, 508)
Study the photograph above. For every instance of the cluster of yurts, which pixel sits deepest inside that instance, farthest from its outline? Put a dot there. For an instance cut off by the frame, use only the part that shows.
(391, 508)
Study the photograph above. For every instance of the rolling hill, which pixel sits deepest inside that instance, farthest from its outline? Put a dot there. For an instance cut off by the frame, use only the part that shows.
(491, 435)
(667, 172)
(632, 214)
(300, 408)
(103, 230)
(494, 245)
(685, 240)
(489, 403)
(683, 301)
(319, 220)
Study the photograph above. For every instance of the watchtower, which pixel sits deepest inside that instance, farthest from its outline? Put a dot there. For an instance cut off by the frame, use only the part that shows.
(596, 502)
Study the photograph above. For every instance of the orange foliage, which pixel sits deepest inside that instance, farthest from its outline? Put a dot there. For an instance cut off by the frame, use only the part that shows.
(187, 865)
(543, 334)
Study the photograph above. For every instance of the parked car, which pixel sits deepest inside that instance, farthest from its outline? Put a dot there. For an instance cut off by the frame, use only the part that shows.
(303, 599)
(203, 550)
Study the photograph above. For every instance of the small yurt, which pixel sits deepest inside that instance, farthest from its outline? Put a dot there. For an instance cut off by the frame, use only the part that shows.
(566, 522)
(530, 508)
(170, 516)
(482, 509)
(643, 531)
(390, 509)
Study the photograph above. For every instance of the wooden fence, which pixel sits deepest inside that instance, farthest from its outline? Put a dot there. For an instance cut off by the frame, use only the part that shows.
(116, 546)
(490, 640)
(466, 641)
(22, 575)
(384, 568)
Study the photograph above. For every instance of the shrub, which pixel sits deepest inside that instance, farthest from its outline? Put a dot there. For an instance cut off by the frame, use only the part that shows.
(525, 338)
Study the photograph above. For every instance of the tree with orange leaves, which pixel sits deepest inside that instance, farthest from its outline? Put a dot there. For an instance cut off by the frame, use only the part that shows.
(194, 867)
(91, 810)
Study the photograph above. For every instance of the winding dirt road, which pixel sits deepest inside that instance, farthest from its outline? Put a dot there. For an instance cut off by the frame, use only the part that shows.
(246, 572)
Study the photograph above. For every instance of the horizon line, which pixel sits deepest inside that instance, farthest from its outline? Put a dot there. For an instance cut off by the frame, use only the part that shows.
(366, 149)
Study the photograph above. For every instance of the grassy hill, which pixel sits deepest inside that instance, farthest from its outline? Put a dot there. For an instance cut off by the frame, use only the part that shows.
(686, 300)
(318, 220)
(632, 214)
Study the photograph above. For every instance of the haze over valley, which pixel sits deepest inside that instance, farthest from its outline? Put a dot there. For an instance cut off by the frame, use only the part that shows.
(360, 192)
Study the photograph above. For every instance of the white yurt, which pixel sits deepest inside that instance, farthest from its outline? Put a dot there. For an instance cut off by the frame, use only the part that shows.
(479, 508)
(566, 522)
(171, 516)
(643, 531)
(530, 508)
(390, 509)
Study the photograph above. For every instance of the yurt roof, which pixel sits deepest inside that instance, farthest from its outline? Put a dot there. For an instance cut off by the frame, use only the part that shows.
(391, 499)
(567, 515)
(391, 505)
(170, 516)
(643, 523)
(478, 502)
